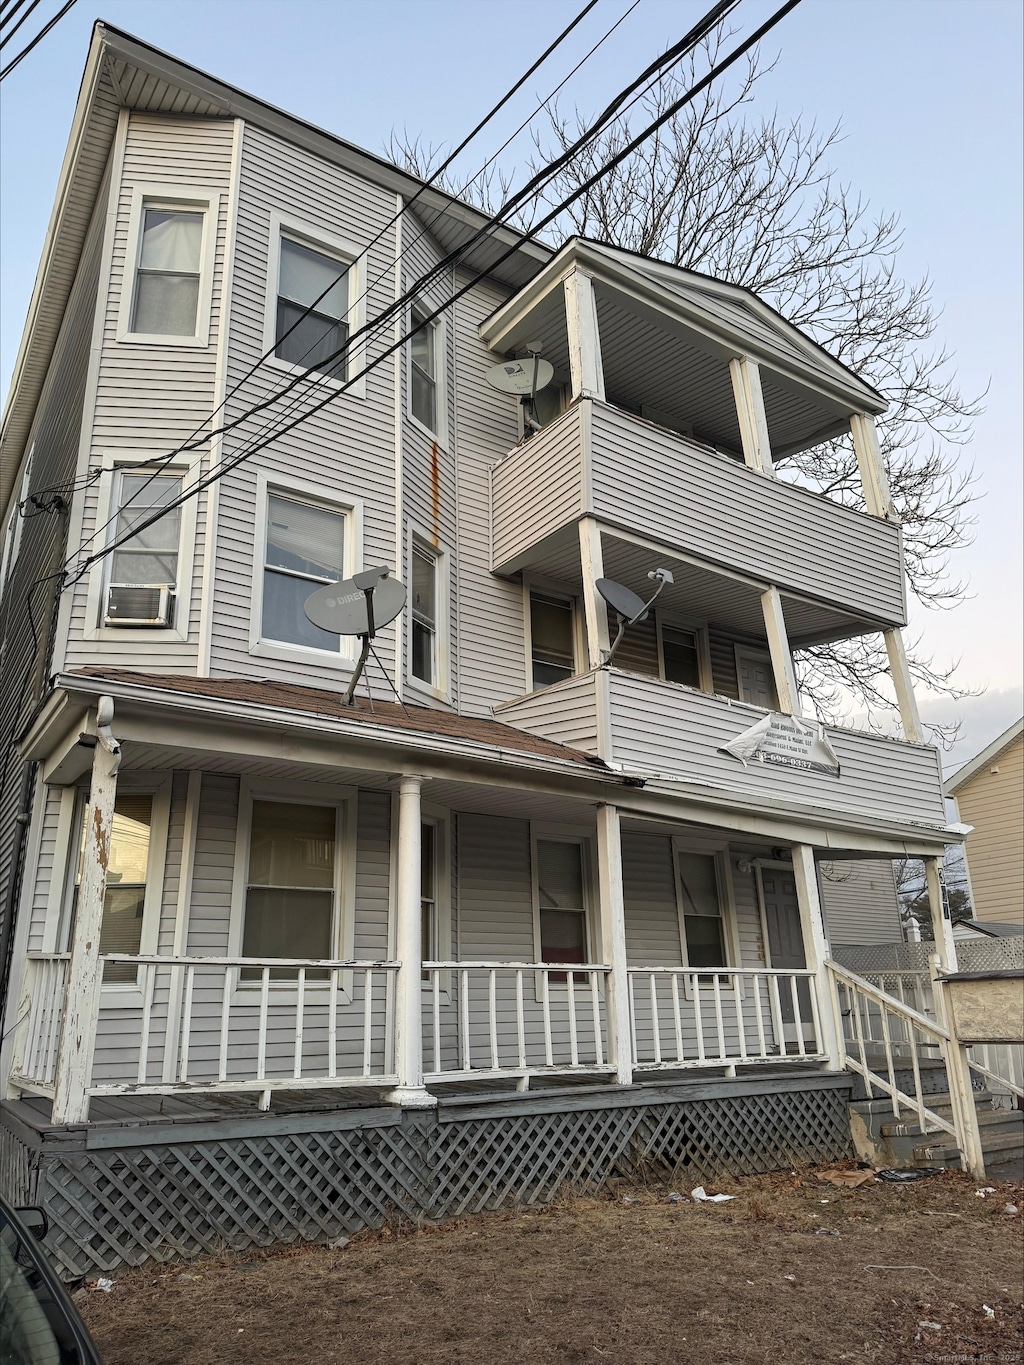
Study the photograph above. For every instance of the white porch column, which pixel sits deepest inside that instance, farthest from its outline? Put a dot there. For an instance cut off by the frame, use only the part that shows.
(82, 994)
(410, 1091)
(903, 683)
(816, 949)
(782, 655)
(958, 1079)
(942, 925)
(585, 366)
(613, 941)
(746, 387)
(873, 478)
(594, 609)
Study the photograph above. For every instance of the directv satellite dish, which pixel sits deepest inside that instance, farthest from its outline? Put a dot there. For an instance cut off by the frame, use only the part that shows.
(625, 601)
(357, 606)
(342, 608)
(522, 377)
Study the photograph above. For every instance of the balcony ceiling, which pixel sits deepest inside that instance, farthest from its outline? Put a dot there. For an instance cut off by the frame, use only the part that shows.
(666, 339)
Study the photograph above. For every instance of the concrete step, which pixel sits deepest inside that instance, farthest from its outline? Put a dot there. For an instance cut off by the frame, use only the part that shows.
(996, 1147)
(1009, 1119)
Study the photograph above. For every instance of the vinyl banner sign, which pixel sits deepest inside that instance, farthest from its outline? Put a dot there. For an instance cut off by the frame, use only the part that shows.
(786, 741)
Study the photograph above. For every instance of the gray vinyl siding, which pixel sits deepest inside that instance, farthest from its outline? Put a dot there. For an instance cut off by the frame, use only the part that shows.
(51, 863)
(28, 605)
(492, 664)
(151, 398)
(678, 731)
(566, 712)
(859, 900)
(599, 459)
(348, 448)
(722, 649)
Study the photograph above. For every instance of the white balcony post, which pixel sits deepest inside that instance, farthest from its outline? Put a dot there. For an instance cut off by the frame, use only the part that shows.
(410, 1091)
(613, 942)
(585, 366)
(82, 994)
(816, 949)
(873, 478)
(594, 609)
(903, 683)
(782, 656)
(942, 925)
(746, 387)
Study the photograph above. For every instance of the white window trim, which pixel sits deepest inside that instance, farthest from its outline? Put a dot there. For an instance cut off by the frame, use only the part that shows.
(761, 656)
(15, 520)
(346, 253)
(418, 536)
(344, 800)
(727, 902)
(440, 332)
(172, 197)
(548, 587)
(115, 462)
(352, 510)
(115, 994)
(566, 834)
(698, 628)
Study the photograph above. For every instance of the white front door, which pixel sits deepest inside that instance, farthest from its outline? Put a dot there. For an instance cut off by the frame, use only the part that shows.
(757, 681)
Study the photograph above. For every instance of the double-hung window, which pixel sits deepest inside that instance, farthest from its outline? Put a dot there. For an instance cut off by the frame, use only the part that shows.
(429, 940)
(561, 901)
(305, 547)
(423, 346)
(168, 276)
(312, 309)
(124, 902)
(144, 569)
(701, 903)
(680, 652)
(552, 649)
(424, 663)
(290, 886)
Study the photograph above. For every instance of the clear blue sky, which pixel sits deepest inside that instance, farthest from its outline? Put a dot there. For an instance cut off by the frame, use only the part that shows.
(929, 93)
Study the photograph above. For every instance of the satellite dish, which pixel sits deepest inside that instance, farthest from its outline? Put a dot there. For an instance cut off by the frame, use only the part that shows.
(341, 608)
(521, 376)
(625, 601)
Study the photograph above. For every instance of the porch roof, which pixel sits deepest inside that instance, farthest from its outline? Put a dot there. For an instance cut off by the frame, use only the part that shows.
(279, 696)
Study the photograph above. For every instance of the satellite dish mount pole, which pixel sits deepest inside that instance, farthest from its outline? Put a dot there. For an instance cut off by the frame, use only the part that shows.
(663, 577)
(374, 575)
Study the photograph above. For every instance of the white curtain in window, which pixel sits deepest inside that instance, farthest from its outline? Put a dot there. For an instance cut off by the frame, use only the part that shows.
(305, 274)
(172, 241)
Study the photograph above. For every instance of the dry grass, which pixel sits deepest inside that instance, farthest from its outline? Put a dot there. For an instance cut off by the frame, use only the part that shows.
(597, 1279)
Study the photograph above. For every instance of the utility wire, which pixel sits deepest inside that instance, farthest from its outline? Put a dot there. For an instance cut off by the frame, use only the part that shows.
(36, 40)
(651, 74)
(191, 442)
(379, 324)
(4, 41)
(671, 110)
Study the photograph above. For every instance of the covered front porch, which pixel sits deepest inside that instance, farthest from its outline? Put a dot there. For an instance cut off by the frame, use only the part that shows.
(502, 929)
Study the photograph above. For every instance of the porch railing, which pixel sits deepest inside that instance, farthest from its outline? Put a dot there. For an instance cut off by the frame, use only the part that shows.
(513, 1019)
(1001, 1064)
(718, 1018)
(39, 1015)
(221, 1024)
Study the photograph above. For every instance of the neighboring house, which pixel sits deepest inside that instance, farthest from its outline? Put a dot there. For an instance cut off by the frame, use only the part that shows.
(989, 795)
(279, 965)
(974, 928)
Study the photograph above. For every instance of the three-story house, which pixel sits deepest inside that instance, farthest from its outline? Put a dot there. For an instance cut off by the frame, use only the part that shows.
(519, 915)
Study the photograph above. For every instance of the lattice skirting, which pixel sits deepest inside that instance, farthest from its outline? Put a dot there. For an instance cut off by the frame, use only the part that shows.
(115, 1206)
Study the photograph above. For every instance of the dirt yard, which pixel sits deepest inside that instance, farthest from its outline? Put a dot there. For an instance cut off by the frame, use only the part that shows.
(793, 1271)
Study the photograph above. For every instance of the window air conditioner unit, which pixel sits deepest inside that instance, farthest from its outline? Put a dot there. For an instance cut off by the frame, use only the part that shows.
(139, 604)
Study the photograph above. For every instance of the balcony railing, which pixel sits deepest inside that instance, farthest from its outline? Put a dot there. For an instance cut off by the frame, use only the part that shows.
(597, 460)
(668, 731)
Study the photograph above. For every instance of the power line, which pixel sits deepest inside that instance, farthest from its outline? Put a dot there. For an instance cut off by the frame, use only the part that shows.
(18, 5)
(191, 442)
(36, 40)
(651, 74)
(672, 109)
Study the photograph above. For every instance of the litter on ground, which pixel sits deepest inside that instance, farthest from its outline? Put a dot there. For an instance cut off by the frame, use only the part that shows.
(849, 1178)
(702, 1197)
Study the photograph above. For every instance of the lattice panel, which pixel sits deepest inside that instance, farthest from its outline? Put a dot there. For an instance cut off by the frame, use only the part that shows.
(746, 1136)
(17, 1170)
(110, 1208)
(124, 1207)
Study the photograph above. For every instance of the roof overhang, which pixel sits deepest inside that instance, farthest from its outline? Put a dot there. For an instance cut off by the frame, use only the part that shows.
(988, 755)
